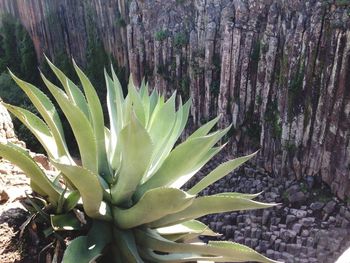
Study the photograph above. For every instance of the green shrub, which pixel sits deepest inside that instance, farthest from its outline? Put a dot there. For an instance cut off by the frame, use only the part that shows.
(129, 183)
(120, 22)
(161, 35)
(180, 1)
(296, 96)
(255, 55)
(180, 40)
(272, 117)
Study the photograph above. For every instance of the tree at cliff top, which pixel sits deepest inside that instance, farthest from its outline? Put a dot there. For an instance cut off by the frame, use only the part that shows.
(9, 55)
(18, 54)
(16, 49)
(96, 57)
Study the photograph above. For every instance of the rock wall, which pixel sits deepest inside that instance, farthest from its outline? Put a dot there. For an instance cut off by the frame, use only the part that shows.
(6, 126)
(311, 225)
(278, 70)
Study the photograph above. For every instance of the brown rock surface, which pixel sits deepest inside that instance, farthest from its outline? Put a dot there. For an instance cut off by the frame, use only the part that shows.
(278, 70)
(6, 125)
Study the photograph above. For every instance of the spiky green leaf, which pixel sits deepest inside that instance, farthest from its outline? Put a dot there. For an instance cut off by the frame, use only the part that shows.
(17, 156)
(137, 102)
(186, 231)
(205, 129)
(48, 111)
(115, 110)
(216, 250)
(177, 169)
(89, 248)
(74, 93)
(125, 240)
(219, 172)
(37, 127)
(95, 108)
(65, 222)
(80, 125)
(136, 148)
(88, 185)
(71, 201)
(154, 204)
(210, 205)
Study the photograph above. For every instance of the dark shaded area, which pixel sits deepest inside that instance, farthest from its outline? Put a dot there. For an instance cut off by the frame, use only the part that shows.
(17, 54)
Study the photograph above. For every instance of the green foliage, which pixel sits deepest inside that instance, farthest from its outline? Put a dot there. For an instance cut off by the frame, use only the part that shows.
(121, 74)
(295, 92)
(63, 61)
(253, 127)
(180, 1)
(303, 187)
(120, 22)
(9, 91)
(197, 67)
(28, 64)
(215, 85)
(290, 147)
(161, 35)
(255, 55)
(164, 70)
(17, 50)
(341, 2)
(283, 69)
(285, 197)
(17, 53)
(254, 131)
(215, 88)
(258, 100)
(185, 87)
(272, 117)
(180, 40)
(217, 63)
(96, 56)
(9, 43)
(132, 195)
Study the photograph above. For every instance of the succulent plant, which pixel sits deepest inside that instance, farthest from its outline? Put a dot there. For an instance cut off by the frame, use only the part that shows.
(129, 183)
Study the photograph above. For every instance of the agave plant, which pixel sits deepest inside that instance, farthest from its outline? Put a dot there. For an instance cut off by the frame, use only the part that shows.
(130, 180)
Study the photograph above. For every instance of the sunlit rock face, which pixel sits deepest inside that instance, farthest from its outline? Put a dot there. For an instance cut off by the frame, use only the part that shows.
(6, 126)
(277, 70)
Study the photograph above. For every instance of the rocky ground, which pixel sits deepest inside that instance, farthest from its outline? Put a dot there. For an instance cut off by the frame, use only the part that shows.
(19, 241)
(310, 225)
(13, 184)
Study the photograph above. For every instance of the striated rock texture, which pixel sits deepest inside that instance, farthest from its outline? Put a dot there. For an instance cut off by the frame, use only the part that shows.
(278, 70)
(6, 126)
(312, 229)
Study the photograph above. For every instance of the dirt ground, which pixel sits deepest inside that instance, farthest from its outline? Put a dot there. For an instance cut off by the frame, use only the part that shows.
(26, 247)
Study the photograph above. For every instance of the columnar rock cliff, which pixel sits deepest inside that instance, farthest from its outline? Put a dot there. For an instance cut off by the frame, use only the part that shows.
(278, 70)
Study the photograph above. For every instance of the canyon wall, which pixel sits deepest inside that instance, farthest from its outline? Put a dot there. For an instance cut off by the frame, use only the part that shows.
(278, 70)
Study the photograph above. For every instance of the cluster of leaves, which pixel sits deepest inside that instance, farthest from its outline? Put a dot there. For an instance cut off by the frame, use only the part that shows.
(130, 178)
(161, 35)
(16, 49)
(180, 40)
(17, 52)
(272, 117)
